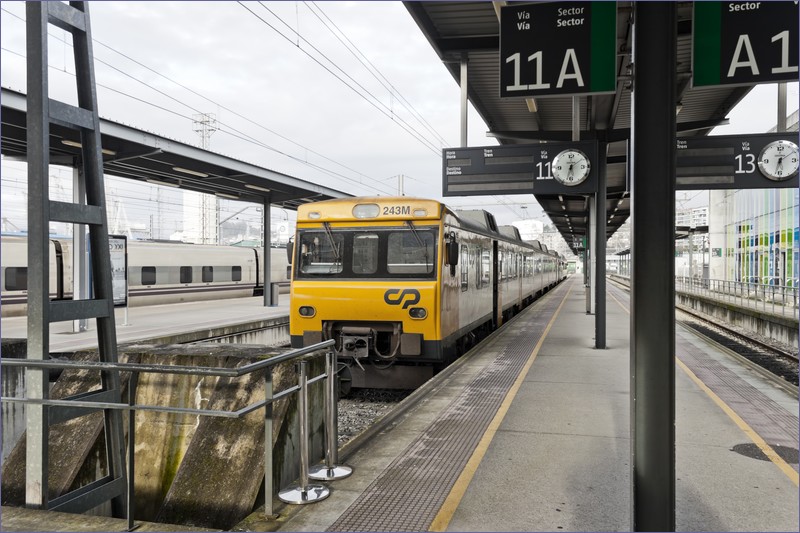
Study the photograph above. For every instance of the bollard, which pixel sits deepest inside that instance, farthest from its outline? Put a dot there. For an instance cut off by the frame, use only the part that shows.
(331, 470)
(303, 492)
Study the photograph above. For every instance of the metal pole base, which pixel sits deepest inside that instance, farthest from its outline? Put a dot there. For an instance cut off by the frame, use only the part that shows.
(325, 473)
(296, 495)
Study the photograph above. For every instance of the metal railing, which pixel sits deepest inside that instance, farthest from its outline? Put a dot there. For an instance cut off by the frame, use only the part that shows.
(778, 300)
(303, 492)
(775, 299)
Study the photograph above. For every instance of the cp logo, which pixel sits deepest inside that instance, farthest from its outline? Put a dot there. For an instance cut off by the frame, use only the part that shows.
(396, 296)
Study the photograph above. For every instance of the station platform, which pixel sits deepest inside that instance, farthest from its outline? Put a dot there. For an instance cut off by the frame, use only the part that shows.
(162, 324)
(531, 432)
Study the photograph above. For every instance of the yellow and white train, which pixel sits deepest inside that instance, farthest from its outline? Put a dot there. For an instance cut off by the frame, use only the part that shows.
(406, 285)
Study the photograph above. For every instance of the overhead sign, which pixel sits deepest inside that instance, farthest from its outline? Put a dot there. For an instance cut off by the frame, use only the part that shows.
(517, 169)
(118, 248)
(740, 43)
(558, 48)
(736, 161)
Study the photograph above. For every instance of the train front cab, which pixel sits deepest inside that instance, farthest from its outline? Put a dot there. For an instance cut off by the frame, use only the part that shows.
(366, 274)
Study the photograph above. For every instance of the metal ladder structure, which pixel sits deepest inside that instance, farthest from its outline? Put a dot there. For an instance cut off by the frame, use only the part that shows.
(43, 111)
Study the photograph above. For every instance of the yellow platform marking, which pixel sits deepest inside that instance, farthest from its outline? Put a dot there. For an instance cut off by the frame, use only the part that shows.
(744, 426)
(453, 500)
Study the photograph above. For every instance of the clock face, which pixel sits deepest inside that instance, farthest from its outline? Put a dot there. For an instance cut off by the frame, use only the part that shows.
(779, 160)
(571, 167)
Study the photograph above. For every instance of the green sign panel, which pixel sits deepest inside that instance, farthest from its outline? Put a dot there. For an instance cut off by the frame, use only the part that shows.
(558, 49)
(742, 43)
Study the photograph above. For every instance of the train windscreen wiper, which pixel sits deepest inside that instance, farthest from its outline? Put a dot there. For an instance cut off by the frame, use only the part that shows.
(332, 242)
(419, 240)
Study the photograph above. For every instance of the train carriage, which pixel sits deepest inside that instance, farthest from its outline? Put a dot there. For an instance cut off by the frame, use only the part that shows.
(405, 285)
(158, 272)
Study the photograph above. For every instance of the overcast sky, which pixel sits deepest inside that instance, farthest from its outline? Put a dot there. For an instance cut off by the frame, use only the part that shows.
(270, 72)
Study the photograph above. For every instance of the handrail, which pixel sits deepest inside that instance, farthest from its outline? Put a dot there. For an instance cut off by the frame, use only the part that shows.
(137, 368)
(176, 369)
(779, 300)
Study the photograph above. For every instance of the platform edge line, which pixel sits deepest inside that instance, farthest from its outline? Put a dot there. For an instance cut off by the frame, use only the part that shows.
(773, 456)
(453, 500)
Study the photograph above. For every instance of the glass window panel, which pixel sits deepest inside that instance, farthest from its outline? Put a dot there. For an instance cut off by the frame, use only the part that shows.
(186, 274)
(149, 275)
(16, 279)
(321, 253)
(365, 253)
(410, 252)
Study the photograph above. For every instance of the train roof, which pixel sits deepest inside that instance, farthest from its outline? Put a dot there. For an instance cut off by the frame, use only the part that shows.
(370, 207)
(477, 219)
(511, 232)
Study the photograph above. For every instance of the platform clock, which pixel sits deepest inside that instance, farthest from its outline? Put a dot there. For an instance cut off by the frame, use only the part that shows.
(571, 167)
(779, 160)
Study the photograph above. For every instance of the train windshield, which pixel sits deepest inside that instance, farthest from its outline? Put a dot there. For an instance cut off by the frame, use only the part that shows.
(367, 253)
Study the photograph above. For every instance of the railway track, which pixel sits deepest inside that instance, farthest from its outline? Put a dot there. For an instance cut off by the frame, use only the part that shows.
(774, 362)
(779, 363)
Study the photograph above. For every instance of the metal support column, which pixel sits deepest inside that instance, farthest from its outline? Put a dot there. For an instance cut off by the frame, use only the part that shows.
(591, 239)
(80, 270)
(600, 252)
(266, 243)
(464, 101)
(653, 268)
(84, 118)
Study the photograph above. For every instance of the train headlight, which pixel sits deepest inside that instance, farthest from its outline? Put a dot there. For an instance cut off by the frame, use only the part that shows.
(417, 312)
(307, 311)
(366, 210)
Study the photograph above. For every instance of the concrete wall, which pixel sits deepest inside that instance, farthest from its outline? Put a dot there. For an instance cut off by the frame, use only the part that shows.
(189, 469)
(784, 330)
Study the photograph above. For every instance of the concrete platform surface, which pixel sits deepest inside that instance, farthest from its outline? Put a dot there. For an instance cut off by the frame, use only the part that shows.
(21, 519)
(557, 455)
(157, 323)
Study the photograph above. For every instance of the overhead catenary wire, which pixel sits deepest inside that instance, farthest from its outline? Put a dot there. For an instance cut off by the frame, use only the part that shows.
(231, 130)
(359, 55)
(375, 102)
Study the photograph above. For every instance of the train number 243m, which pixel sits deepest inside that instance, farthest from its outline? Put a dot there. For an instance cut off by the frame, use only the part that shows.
(397, 210)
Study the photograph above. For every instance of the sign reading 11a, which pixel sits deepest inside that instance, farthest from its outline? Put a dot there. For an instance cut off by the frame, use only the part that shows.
(558, 49)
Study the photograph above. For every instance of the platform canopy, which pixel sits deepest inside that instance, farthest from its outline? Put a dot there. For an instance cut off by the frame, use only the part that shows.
(142, 155)
(471, 31)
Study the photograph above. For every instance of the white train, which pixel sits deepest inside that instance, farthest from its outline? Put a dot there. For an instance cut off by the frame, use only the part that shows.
(158, 272)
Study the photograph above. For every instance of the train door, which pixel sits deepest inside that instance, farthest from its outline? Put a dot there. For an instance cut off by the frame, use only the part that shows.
(497, 315)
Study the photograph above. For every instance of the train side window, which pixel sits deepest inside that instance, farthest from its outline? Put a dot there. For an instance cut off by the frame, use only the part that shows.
(464, 267)
(477, 259)
(365, 253)
(16, 279)
(486, 268)
(148, 275)
(208, 274)
(236, 273)
(186, 274)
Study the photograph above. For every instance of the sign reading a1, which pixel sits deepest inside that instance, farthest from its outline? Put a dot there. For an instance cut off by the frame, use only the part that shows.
(739, 43)
(558, 48)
